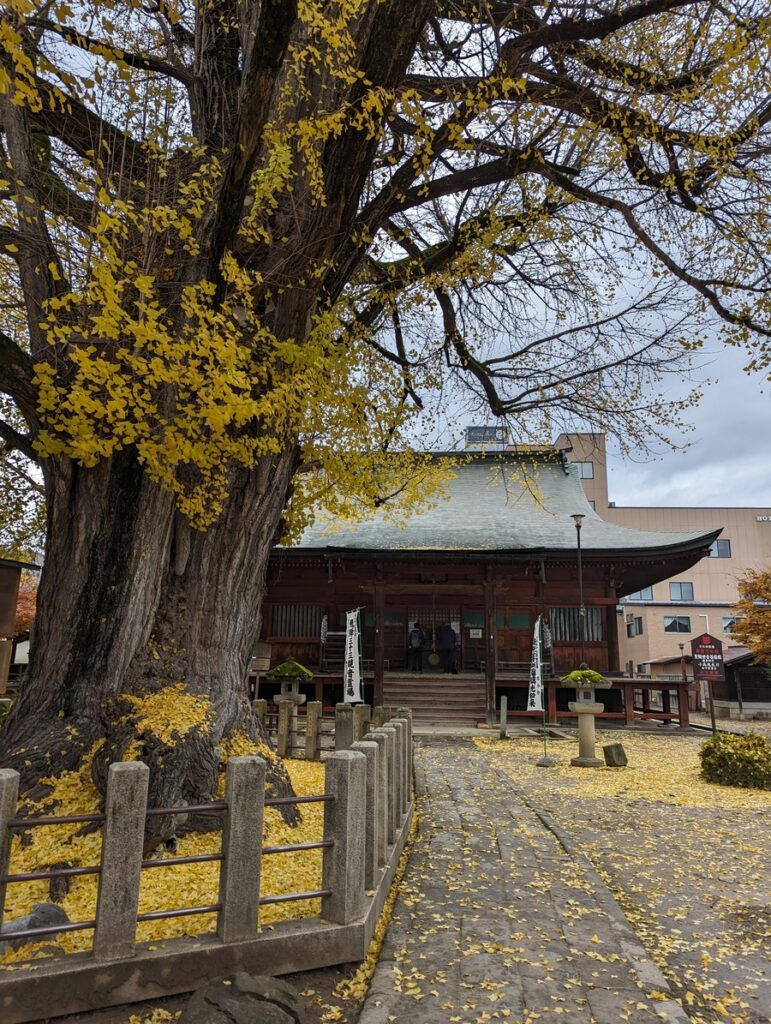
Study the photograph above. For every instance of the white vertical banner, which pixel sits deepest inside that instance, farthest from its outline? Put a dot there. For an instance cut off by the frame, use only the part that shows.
(535, 690)
(352, 665)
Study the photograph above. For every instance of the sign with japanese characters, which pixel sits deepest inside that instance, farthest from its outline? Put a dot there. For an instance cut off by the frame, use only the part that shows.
(707, 654)
(535, 689)
(352, 663)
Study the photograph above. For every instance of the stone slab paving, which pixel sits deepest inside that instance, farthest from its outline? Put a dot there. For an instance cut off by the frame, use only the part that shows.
(495, 921)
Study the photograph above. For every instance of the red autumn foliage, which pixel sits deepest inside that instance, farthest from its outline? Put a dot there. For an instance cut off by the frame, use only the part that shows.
(26, 604)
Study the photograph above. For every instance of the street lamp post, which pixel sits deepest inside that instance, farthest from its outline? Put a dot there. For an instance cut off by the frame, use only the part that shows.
(578, 518)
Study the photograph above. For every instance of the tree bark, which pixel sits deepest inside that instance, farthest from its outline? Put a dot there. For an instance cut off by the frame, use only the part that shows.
(132, 600)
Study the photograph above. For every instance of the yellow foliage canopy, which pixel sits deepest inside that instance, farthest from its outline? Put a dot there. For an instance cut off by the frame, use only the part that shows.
(226, 234)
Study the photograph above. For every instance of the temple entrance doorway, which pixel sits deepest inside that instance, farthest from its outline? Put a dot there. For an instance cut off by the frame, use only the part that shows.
(431, 619)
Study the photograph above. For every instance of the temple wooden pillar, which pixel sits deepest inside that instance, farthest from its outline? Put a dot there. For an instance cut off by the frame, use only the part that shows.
(611, 633)
(551, 703)
(629, 703)
(490, 649)
(666, 703)
(379, 661)
(683, 714)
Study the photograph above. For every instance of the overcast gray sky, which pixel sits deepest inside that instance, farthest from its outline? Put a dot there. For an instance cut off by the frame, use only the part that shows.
(729, 461)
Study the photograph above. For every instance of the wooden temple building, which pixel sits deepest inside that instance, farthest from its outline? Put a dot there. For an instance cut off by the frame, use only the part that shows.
(498, 552)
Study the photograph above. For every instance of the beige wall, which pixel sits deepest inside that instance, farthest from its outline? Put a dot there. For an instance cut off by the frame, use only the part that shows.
(714, 579)
(589, 448)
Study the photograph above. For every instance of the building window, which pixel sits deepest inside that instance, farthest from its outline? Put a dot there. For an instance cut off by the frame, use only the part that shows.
(635, 627)
(566, 624)
(585, 470)
(729, 621)
(592, 505)
(297, 620)
(677, 624)
(681, 591)
(720, 549)
(646, 594)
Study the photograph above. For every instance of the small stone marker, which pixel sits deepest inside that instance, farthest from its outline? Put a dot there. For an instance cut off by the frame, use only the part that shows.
(244, 998)
(615, 755)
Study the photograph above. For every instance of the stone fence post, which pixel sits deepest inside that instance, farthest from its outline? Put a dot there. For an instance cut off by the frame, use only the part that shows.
(260, 709)
(382, 786)
(406, 714)
(283, 740)
(372, 813)
(378, 716)
(312, 726)
(122, 844)
(343, 863)
(401, 755)
(239, 888)
(9, 795)
(343, 726)
(361, 717)
(394, 817)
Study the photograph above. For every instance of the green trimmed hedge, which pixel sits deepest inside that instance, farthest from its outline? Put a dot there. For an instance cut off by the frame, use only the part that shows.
(737, 760)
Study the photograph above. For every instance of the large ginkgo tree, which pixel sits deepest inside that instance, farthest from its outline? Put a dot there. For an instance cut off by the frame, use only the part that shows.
(249, 248)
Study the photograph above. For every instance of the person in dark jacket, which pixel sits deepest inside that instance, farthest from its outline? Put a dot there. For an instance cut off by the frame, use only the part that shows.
(416, 641)
(445, 641)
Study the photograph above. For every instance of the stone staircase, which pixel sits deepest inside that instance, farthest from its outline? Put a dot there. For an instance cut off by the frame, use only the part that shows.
(437, 699)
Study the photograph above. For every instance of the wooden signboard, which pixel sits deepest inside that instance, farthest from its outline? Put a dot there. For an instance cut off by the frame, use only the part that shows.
(707, 652)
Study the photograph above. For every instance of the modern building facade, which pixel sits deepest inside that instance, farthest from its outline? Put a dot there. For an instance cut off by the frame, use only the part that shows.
(654, 621)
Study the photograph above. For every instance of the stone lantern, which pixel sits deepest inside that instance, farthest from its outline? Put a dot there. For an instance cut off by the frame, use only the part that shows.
(586, 706)
(289, 674)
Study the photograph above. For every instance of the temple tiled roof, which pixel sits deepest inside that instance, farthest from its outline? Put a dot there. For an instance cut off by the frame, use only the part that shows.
(500, 503)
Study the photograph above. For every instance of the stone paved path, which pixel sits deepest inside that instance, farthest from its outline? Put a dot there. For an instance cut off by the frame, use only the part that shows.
(495, 921)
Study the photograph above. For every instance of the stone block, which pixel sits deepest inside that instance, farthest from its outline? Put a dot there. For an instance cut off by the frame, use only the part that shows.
(343, 726)
(239, 887)
(312, 730)
(615, 755)
(343, 863)
(362, 713)
(9, 794)
(394, 774)
(122, 852)
(382, 784)
(371, 751)
(242, 998)
(285, 709)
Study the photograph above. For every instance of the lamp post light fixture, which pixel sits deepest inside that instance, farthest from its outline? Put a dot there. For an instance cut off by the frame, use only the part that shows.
(578, 519)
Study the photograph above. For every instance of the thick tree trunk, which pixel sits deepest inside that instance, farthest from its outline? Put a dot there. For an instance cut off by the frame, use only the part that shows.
(132, 601)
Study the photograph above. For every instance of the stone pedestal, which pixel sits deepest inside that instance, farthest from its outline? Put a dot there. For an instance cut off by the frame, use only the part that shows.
(586, 710)
(287, 703)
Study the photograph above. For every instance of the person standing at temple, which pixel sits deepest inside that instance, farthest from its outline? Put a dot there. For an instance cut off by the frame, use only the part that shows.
(415, 644)
(445, 641)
